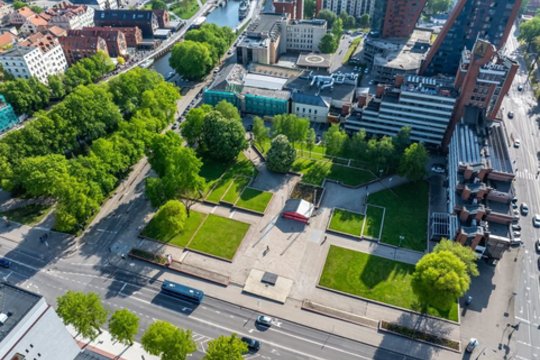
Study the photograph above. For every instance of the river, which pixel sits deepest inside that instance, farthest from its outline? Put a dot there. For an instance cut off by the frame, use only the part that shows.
(222, 15)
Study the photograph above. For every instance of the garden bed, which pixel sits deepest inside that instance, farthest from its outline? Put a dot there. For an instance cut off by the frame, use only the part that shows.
(308, 192)
(420, 335)
(27, 215)
(147, 256)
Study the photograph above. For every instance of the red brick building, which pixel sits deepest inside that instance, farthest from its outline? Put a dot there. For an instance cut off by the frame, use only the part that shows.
(80, 47)
(294, 8)
(162, 18)
(133, 35)
(400, 17)
(115, 39)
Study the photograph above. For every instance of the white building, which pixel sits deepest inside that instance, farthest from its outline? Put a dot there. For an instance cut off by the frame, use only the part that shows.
(39, 55)
(33, 24)
(30, 328)
(356, 8)
(18, 17)
(71, 17)
(304, 35)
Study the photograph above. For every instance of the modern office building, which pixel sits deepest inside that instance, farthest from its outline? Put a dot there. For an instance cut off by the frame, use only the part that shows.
(396, 18)
(146, 20)
(304, 35)
(424, 104)
(8, 118)
(483, 79)
(30, 328)
(490, 20)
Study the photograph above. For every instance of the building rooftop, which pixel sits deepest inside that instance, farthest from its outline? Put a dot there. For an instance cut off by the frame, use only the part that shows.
(429, 86)
(15, 303)
(264, 25)
(272, 70)
(43, 41)
(337, 91)
(18, 51)
(264, 82)
(312, 22)
(310, 60)
(277, 94)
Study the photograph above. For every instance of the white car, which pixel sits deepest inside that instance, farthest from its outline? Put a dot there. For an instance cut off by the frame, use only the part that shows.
(536, 220)
(517, 143)
(264, 320)
(537, 246)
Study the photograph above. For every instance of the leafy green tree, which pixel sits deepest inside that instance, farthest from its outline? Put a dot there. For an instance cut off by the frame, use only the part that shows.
(228, 110)
(222, 139)
(192, 127)
(167, 341)
(281, 155)
(434, 7)
(226, 348)
(357, 145)
(161, 149)
(440, 278)
(171, 216)
(17, 4)
(529, 30)
(309, 9)
(260, 132)
(84, 312)
(413, 162)
(128, 87)
(293, 127)
(328, 44)
(123, 326)
(26, 96)
(36, 9)
(334, 139)
(364, 20)
(349, 21)
(402, 139)
(56, 84)
(329, 16)
(39, 175)
(158, 5)
(337, 29)
(464, 253)
(192, 60)
(311, 138)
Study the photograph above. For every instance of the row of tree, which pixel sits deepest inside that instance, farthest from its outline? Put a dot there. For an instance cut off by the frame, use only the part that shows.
(211, 132)
(201, 50)
(86, 313)
(29, 95)
(77, 152)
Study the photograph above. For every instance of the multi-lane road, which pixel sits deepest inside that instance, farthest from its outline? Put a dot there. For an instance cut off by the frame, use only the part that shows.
(525, 127)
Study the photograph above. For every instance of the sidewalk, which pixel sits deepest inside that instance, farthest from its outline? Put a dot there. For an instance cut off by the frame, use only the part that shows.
(105, 346)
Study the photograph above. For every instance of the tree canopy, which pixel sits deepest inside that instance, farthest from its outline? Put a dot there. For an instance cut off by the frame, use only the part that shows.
(434, 7)
(260, 131)
(413, 162)
(281, 155)
(123, 326)
(167, 341)
(328, 44)
(464, 253)
(440, 278)
(334, 140)
(222, 139)
(329, 16)
(529, 30)
(293, 127)
(191, 59)
(226, 348)
(309, 9)
(82, 311)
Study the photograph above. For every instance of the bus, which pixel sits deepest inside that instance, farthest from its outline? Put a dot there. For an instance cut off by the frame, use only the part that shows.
(182, 292)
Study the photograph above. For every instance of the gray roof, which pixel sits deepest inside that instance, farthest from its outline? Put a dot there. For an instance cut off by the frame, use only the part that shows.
(15, 303)
(309, 100)
(89, 355)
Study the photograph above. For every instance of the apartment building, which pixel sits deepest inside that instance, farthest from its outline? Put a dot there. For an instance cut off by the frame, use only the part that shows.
(80, 47)
(115, 39)
(396, 18)
(356, 8)
(71, 17)
(424, 104)
(304, 35)
(146, 20)
(18, 17)
(39, 55)
(470, 20)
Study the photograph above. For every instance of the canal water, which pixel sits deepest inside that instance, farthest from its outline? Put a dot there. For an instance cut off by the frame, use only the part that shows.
(226, 15)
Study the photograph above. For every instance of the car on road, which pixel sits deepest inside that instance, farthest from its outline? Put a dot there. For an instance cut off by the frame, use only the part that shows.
(5, 263)
(510, 115)
(252, 344)
(366, 71)
(438, 169)
(264, 320)
(175, 126)
(524, 208)
(536, 220)
(520, 87)
(537, 245)
(473, 344)
(517, 143)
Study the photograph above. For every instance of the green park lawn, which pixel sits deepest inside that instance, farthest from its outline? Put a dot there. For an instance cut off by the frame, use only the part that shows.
(218, 174)
(219, 236)
(253, 199)
(375, 278)
(374, 217)
(184, 9)
(28, 215)
(179, 239)
(315, 171)
(236, 189)
(406, 214)
(346, 222)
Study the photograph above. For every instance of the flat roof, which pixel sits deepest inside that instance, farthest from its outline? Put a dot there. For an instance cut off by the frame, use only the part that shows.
(264, 82)
(264, 24)
(273, 70)
(314, 60)
(15, 303)
(336, 92)
(276, 94)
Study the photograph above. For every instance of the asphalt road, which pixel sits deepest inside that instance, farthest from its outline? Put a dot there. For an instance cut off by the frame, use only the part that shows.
(525, 127)
(119, 289)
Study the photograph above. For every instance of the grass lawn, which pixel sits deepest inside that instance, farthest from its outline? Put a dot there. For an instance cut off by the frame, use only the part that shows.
(375, 278)
(236, 189)
(373, 221)
(28, 215)
(179, 239)
(315, 171)
(406, 214)
(221, 187)
(219, 236)
(253, 199)
(352, 48)
(184, 9)
(214, 171)
(346, 222)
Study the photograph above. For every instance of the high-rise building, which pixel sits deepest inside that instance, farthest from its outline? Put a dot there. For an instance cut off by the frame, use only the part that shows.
(397, 18)
(294, 8)
(355, 8)
(490, 20)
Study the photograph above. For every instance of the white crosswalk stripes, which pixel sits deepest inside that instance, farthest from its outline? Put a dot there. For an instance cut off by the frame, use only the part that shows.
(525, 175)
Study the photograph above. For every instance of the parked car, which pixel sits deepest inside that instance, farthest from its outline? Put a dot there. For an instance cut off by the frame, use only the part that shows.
(516, 242)
(517, 143)
(514, 199)
(537, 246)
(252, 344)
(520, 87)
(264, 320)
(538, 262)
(510, 115)
(536, 220)
(438, 169)
(516, 227)
(175, 126)
(524, 209)
(5, 263)
(514, 206)
(473, 344)
(516, 234)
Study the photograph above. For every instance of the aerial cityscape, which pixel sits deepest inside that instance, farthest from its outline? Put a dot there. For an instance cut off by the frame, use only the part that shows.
(269, 179)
